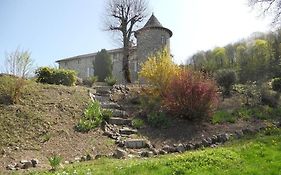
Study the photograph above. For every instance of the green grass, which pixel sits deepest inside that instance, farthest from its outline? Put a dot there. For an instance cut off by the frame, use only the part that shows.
(223, 116)
(258, 155)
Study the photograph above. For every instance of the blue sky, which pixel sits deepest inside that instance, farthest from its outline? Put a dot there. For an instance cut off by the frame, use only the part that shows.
(56, 29)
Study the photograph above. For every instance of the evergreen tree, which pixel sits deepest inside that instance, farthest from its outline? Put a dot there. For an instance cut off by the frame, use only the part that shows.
(103, 65)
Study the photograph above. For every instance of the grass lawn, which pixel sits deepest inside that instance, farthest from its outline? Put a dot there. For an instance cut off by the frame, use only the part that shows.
(255, 155)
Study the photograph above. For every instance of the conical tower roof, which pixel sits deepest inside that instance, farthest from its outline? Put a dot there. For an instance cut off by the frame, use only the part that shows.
(153, 22)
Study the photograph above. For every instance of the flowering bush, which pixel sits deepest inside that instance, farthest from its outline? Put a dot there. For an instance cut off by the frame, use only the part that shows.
(158, 71)
(191, 95)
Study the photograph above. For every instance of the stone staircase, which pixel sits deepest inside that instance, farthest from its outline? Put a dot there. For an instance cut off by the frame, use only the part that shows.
(119, 127)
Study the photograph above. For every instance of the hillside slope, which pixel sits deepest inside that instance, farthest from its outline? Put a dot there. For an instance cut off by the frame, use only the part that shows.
(42, 124)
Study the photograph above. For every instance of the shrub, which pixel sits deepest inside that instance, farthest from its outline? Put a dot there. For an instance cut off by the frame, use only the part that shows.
(276, 84)
(11, 89)
(250, 91)
(137, 123)
(93, 117)
(56, 76)
(90, 81)
(110, 80)
(269, 98)
(158, 71)
(222, 117)
(158, 120)
(55, 162)
(191, 95)
(226, 78)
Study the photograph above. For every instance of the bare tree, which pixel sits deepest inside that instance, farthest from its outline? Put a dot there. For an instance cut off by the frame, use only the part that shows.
(269, 7)
(123, 15)
(18, 63)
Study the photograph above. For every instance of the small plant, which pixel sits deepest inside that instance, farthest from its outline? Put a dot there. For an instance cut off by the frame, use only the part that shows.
(250, 91)
(226, 78)
(276, 84)
(55, 161)
(106, 114)
(110, 80)
(90, 81)
(92, 117)
(158, 120)
(222, 117)
(244, 113)
(137, 123)
(11, 89)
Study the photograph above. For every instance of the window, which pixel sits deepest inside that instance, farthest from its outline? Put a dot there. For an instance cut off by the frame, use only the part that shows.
(163, 39)
(135, 66)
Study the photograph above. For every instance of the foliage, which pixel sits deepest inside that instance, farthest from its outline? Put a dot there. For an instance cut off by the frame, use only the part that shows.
(110, 80)
(250, 91)
(137, 123)
(158, 120)
(226, 78)
(103, 65)
(11, 89)
(158, 71)
(276, 84)
(244, 156)
(19, 63)
(191, 95)
(93, 117)
(222, 117)
(269, 97)
(90, 81)
(56, 76)
(55, 161)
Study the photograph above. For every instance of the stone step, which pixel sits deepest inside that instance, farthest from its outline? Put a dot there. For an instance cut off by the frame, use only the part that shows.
(110, 105)
(100, 98)
(136, 143)
(118, 113)
(128, 131)
(103, 89)
(119, 121)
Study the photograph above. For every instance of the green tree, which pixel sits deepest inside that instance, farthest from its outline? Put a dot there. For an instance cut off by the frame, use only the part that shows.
(103, 65)
(220, 59)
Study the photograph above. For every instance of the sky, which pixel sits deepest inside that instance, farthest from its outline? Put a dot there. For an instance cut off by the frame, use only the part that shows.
(57, 29)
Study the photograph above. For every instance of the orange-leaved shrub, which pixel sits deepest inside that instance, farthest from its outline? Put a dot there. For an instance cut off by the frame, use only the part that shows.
(191, 95)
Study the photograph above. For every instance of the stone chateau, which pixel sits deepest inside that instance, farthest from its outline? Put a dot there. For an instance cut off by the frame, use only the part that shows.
(150, 39)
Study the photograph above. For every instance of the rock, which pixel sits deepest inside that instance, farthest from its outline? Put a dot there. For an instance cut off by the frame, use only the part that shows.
(77, 159)
(214, 139)
(206, 142)
(189, 146)
(89, 157)
(169, 149)
(26, 164)
(162, 152)
(83, 159)
(180, 148)
(155, 151)
(146, 154)
(248, 131)
(120, 153)
(11, 167)
(239, 134)
(108, 133)
(127, 131)
(136, 143)
(34, 162)
(19, 166)
(223, 137)
(197, 145)
(110, 105)
(66, 162)
(119, 121)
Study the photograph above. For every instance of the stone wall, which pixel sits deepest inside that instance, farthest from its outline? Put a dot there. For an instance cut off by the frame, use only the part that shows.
(150, 41)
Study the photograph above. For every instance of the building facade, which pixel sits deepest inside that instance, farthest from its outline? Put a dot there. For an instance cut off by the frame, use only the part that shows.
(150, 39)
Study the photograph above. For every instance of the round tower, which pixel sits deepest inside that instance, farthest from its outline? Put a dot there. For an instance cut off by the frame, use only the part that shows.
(153, 37)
